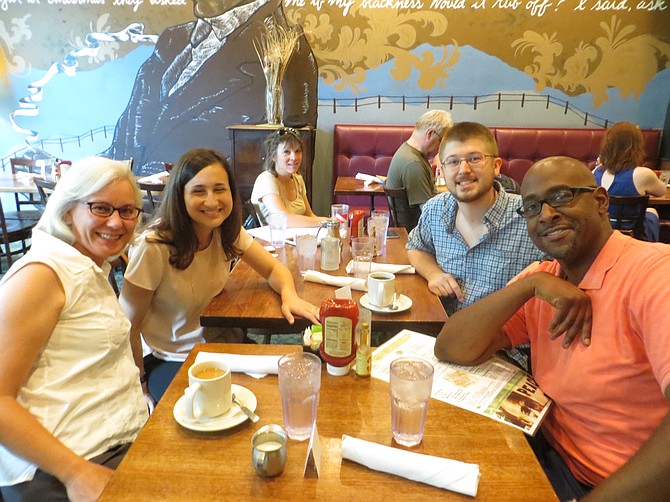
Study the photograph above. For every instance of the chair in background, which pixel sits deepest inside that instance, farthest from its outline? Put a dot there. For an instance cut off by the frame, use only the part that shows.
(14, 230)
(627, 214)
(30, 166)
(250, 216)
(152, 196)
(44, 188)
(400, 211)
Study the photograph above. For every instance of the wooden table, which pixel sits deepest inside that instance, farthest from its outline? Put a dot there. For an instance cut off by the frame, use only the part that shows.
(168, 462)
(349, 185)
(248, 301)
(663, 200)
(11, 183)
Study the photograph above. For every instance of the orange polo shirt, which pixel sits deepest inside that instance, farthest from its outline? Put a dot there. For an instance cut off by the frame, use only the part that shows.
(608, 397)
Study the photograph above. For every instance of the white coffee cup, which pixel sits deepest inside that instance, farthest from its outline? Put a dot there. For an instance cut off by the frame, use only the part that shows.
(381, 289)
(209, 391)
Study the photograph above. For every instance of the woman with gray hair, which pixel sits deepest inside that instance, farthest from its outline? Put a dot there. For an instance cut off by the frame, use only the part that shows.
(70, 395)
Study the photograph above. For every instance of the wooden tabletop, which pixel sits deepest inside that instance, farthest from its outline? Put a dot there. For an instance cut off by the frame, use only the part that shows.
(11, 183)
(663, 200)
(248, 301)
(168, 462)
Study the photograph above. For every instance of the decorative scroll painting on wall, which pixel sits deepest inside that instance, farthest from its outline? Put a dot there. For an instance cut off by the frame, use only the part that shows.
(610, 56)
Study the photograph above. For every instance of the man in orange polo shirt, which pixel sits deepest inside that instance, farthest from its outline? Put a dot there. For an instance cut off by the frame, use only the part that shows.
(607, 436)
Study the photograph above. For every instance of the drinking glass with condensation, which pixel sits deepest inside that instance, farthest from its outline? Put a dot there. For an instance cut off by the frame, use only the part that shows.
(306, 248)
(410, 387)
(277, 223)
(299, 384)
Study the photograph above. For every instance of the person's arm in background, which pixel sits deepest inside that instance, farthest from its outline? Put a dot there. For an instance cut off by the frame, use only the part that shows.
(472, 335)
(32, 302)
(274, 204)
(280, 279)
(647, 183)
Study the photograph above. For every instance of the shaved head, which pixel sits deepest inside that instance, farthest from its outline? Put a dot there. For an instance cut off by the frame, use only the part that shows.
(561, 170)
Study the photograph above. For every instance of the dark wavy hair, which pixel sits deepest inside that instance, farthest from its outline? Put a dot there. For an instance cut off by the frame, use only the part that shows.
(173, 225)
(284, 135)
(622, 147)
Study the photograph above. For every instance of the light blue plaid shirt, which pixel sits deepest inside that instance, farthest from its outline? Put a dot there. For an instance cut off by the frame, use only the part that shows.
(503, 252)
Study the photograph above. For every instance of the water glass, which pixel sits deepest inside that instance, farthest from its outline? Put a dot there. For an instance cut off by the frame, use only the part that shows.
(306, 247)
(277, 223)
(665, 177)
(340, 212)
(362, 249)
(378, 224)
(410, 388)
(299, 384)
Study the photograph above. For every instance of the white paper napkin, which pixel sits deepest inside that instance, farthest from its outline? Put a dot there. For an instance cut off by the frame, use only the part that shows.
(256, 366)
(335, 280)
(436, 471)
(368, 179)
(156, 179)
(384, 267)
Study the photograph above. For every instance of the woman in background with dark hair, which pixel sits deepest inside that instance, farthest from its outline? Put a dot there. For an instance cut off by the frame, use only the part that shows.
(183, 260)
(280, 188)
(621, 153)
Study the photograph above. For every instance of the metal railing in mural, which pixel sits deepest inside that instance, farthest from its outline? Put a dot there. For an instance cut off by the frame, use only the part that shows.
(56, 146)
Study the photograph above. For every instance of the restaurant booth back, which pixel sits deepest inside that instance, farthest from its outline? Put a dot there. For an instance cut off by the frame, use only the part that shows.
(368, 148)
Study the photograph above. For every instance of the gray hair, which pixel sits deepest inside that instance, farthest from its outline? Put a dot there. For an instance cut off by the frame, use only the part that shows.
(437, 120)
(84, 178)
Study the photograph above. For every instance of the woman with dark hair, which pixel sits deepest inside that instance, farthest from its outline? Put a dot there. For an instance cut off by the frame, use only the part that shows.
(183, 260)
(620, 154)
(280, 188)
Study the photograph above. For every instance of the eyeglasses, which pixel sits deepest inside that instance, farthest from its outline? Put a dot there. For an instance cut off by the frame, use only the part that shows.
(287, 130)
(559, 198)
(473, 160)
(105, 210)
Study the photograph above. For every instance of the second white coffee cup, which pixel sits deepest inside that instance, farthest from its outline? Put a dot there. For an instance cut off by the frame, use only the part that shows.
(381, 289)
(209, 391)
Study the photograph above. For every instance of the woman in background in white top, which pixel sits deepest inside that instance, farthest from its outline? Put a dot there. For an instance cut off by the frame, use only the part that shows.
(70, 395)
(183, 260)
(280, 188)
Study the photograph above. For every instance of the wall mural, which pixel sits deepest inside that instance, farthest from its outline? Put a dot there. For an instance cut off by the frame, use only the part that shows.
(82, 76)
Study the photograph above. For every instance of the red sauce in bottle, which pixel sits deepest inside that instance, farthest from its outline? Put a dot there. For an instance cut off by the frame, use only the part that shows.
(339, 318)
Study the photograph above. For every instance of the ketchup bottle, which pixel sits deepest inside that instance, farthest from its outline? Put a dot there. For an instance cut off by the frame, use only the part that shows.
(339, 318)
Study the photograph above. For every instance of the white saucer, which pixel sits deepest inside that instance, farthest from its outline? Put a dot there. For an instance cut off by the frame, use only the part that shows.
(231, 418)
(404, 303)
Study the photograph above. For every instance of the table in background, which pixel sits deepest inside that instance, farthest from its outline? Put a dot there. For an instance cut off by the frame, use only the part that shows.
(662, 200)
(168, 462)
(248, 301)
(349, 185)
(11, 183)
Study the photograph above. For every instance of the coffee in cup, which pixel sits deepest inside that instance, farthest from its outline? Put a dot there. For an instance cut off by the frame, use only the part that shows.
(209, 392)
(381, 289)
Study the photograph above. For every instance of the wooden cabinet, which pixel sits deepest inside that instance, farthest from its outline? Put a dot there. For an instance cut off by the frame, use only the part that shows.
(248, 154)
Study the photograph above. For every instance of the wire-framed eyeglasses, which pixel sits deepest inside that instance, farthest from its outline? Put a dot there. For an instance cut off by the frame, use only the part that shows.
(473, 160)
(106, 210)
(561, 197)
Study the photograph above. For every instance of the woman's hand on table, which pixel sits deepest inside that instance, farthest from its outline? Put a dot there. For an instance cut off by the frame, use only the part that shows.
(88, 483)
(295, 305)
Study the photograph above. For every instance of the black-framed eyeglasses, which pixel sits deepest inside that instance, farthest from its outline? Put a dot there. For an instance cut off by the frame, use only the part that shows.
(287, 130)
(558, 198)
(473, 160)
(106, 210)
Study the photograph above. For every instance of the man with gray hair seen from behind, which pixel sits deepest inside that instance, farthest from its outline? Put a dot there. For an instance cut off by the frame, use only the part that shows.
(410, 166)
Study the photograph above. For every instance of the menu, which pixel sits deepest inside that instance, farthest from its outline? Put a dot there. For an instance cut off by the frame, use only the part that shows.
(496, 389)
